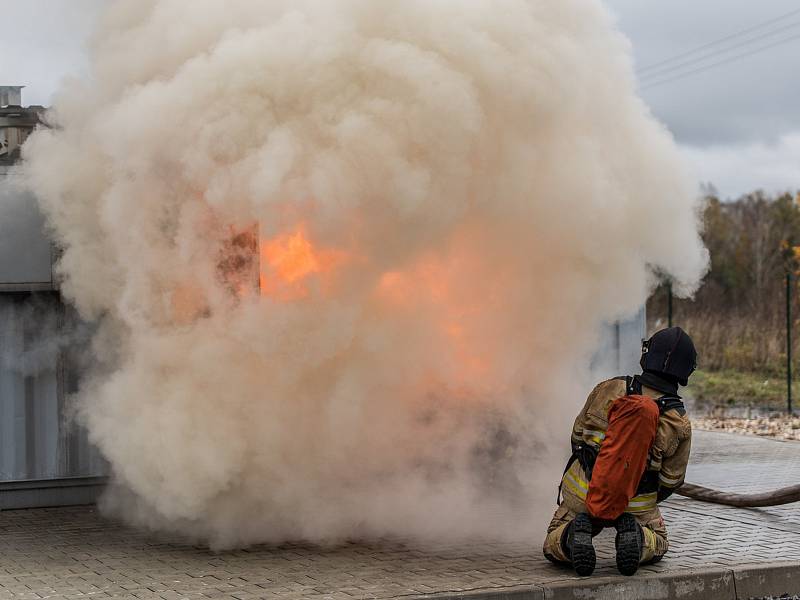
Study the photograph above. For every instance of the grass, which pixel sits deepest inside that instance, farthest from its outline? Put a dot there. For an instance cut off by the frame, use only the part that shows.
(740, 389)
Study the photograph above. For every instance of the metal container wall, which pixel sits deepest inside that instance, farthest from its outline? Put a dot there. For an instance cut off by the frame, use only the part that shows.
(45, 458)
(25, 251)
(37, 440)
(621, 347)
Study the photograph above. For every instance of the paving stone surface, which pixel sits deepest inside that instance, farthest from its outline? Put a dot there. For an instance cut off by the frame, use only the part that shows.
(75, 553)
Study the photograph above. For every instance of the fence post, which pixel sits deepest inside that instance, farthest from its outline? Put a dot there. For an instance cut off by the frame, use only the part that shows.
(669, 304)
(789, 342)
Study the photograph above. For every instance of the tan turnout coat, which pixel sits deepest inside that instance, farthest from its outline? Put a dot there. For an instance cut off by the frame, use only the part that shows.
(669, 456)
(670, 452)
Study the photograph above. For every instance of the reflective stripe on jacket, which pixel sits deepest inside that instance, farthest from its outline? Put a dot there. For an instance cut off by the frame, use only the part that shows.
(574, 482)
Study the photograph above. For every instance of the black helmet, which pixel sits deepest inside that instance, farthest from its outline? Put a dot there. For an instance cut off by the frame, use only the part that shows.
(669, 354)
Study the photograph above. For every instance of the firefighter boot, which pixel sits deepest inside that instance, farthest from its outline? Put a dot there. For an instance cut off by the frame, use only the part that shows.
(629, 542)
(577, 544)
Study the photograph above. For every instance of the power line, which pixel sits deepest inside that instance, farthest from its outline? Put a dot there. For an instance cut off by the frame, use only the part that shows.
(660, 72)
(720, 63)
(720, 41)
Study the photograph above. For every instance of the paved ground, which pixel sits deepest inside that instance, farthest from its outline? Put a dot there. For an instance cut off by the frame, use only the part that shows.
(73, 553)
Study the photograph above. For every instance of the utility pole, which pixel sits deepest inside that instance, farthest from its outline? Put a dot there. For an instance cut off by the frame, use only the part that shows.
(789, 342)
(669, 304)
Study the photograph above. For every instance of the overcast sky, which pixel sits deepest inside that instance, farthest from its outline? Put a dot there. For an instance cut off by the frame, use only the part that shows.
(738, 123)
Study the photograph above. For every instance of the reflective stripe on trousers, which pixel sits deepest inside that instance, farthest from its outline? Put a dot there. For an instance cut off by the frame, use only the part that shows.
(575, 480)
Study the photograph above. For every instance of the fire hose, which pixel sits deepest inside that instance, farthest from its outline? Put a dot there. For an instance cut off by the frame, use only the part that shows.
(774, 498)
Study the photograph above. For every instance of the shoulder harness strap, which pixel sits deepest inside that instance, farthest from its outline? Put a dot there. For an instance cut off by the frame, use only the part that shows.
(632, 386)
(666, 403)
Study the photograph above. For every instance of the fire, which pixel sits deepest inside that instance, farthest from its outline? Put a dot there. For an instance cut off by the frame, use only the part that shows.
(290, 261)
(431, 285)
(281, 268)
(291, 257)
(291, 266)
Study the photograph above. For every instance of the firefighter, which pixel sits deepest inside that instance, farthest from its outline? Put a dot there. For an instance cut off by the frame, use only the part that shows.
(668, 359)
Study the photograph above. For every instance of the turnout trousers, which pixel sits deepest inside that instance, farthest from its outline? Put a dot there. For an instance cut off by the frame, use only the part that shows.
(648, 516)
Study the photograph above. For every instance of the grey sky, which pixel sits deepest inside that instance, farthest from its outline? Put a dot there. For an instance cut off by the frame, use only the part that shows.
(42, 42)
(751, 99)
(738, 123)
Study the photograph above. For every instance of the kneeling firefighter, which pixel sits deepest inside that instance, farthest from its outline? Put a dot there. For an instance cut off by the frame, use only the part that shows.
(630, 448)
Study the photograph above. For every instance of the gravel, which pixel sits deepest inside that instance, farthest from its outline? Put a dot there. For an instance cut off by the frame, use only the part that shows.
(782, 427)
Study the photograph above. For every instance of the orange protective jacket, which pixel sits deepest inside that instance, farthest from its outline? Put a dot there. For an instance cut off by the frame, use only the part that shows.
(621, 462)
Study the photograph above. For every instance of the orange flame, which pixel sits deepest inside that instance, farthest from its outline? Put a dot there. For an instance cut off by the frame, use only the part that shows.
(289, 261)
(429, 284)
(280, 268)
(289, 266)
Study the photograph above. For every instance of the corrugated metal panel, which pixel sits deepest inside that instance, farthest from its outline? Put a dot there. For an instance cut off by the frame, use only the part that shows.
(25, 251)
(37, 441)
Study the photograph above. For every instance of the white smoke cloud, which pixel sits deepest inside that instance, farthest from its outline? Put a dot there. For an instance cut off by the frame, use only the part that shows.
(451, 196)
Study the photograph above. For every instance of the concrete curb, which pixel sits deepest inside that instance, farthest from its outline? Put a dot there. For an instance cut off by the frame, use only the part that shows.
(777, 579)
(740, 582)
